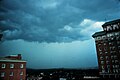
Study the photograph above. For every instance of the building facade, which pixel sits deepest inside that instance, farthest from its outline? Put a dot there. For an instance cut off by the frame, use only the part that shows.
(12, 68)
(108, 49)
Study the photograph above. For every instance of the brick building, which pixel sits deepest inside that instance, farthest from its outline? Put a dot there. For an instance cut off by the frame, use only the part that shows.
(12, 68)
(108, 49)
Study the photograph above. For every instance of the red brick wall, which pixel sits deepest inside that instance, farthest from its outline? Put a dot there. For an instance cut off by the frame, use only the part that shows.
(16, 70)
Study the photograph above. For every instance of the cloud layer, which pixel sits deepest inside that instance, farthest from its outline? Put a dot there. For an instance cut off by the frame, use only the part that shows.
(55, 20)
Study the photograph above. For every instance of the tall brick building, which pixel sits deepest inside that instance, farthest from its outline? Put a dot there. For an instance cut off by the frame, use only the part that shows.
(12, 68)
(108, 49)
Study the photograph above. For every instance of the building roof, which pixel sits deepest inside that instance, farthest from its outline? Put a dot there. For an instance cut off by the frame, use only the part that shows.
(111, 22)
(2, 59)
(99, 34)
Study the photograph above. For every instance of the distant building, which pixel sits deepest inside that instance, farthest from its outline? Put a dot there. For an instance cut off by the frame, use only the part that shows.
(12, 68)
(108, 49)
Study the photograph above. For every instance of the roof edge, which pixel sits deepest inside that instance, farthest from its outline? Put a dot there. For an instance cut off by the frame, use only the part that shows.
(111, 22)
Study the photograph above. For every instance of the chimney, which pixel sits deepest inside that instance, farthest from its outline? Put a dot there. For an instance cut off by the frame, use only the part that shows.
(19, 56)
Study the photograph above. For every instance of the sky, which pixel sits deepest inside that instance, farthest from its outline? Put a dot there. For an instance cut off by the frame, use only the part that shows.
(54, 33)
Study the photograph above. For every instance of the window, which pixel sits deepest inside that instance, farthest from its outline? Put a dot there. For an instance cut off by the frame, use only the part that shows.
(11, 73)
(112, 61)
(114, 70)
(104, 29)
(115, 57)
(112, 57)
(107, 62)
(117, 38)
(118, 47)
(21, 65)
(102, 62)
(108, 66)
(107, 57)
(105, 48)
(116, 33)
(100, 49)
(116, 66)
(106, 52)
(21, 73)
(2, 74)
(116, 61)
(117, 71)
(3, 65)
(101, 58)
(100, 52)
(102, 67)
(103, 70)
(115, 26)
(104, 43)
(118, 42)
(109, 28)
(11, 65)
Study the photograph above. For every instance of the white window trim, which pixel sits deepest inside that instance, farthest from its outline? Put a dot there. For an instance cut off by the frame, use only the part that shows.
(21, 65)
(11, 73)
(21, 73)
(3, 65)
(11, 65)
(2, 74)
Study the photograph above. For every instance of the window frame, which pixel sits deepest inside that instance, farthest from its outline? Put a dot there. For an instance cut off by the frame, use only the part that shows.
(11, 65)
(11, 74)
(21, 65)
(21, 73)
(2, 74)
(3, 66)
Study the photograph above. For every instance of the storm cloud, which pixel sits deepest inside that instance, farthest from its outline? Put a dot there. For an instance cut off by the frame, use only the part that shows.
(55, 20)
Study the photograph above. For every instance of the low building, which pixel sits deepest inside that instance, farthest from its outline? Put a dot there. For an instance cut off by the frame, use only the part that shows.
(12, 68)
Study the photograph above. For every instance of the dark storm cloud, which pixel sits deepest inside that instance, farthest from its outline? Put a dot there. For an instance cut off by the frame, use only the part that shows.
(53, 20)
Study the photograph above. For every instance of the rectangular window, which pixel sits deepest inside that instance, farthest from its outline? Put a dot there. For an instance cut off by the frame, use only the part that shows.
(114, 70)
(100, 52)
(112, 57)
(112, 61)
(106, 52)
(21, 65)
(101, 58)
(116, 61)
(3, 65)
(11, 65)
(103, 71)
(115, 57)
(21, 73)
(2, 74)
(11, 73)
(117, 71)
(107, 62)
(113, 66)
(108, 66)
(102, 62)
(107, 57)
(102, 67)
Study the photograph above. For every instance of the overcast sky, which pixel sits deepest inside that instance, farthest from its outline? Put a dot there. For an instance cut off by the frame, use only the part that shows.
(54, 33)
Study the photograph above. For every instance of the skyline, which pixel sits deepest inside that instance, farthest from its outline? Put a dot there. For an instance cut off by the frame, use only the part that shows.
(54, 33)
